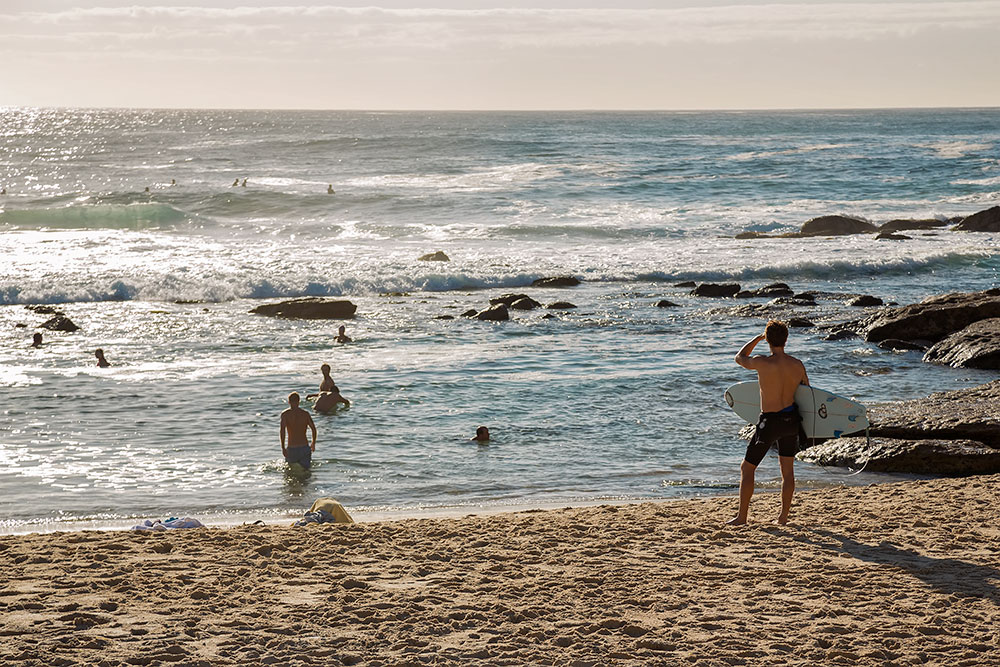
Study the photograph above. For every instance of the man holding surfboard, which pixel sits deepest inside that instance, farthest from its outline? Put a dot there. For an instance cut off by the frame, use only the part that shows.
(778, 375)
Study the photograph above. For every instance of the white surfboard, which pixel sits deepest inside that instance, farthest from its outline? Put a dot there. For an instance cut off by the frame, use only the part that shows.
(824, 415)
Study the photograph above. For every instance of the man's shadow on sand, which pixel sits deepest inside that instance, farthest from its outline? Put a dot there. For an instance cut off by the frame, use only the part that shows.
(948, 575)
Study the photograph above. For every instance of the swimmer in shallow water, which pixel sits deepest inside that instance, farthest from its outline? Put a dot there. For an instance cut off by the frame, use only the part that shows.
(482, 435)
(329, 190)
(342, 336)
(101, 361)
(294, 422)
(36, 340)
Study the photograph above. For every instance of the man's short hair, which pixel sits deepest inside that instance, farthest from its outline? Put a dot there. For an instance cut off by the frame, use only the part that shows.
(325, 368)
(293, 398)
(776, 333)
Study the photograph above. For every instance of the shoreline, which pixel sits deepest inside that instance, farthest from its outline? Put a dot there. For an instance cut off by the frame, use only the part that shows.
(887, 574)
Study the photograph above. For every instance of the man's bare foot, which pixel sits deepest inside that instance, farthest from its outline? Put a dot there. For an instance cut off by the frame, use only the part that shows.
(781, 520)
(736, 522)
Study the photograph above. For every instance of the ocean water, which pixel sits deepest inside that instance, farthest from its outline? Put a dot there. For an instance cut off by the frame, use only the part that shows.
(615, 400)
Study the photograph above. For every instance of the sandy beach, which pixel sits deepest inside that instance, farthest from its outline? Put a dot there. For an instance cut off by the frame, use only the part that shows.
(891, 574)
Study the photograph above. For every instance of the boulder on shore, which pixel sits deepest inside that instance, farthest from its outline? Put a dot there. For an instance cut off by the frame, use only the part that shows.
(975, 346)
(438, 256)
(929, 457)
(557, 281)
(984, 221)
(312, 308)
(964, 414)
(715, 290)
(836, 225)
(934, 318)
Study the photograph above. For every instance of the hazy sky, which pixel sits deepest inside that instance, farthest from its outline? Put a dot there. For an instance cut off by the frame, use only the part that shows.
(476, 54)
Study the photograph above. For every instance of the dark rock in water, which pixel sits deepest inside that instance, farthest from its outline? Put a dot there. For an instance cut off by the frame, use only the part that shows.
(42, 309)
(527, 303)
(965, 414)
(865, 301)
(804, 296)
(445, 317)
(984, 221)
(927, 457)
(313, 308)
(840, 334)
(438, 256)
(934, 318)
(903, 225)
(686, 283)
(561, 305)
(749, 310)
(744, 294)
(714, 290)
(558, 281)
(394, 294)
(507, 299)
(60, 323)
(777, 289)
(975, 346)
(497, 313)
(549, 316)
(663, 303)
(792, 301)
(800, 322)
(892, 236)
(897, 344)
(836, 225)
(20, 325)
(472, 312)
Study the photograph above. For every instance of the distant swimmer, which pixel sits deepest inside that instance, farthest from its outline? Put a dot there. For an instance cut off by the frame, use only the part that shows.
(101, 361)
(329, 190)
(173, 181)
(235, 183)
(36, 340)
(146, 190)
(342, 336)
(294, 422)
(482, 435)
(244, 182)
(3, 192)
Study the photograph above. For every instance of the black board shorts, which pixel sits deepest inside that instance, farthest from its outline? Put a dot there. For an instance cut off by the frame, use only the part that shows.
(775, 428)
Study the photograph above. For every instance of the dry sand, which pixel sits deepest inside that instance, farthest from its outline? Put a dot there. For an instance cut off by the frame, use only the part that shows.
(894, 574)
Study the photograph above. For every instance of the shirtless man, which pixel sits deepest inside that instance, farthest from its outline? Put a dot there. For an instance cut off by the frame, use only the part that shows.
(779, 375)
(342, 336)
(294, 421)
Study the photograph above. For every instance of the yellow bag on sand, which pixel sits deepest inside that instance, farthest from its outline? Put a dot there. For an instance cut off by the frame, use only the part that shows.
(333, 507)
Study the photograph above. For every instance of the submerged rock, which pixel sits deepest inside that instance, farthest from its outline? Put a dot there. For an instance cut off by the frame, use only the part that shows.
(892, 236)
(836, 225)
(975, 346)
(60, 323)
(561, 305)
(903, 225)
(934, 457)
(526, 303)
(686, 283)
(557, 281)
(496, 313)
(472, 312)
(43, 309)
(934, 318)
(800, 322)
(507, 299)
(841, 334)
(312, 308)
(438, 256)
(663, 303)
(716, 290)
(865, 301)
(445, 317)
(897, 344)
(984, 221)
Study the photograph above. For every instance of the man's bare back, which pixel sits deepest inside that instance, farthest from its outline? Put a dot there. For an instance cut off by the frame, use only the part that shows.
(779, 375)
(294, 422)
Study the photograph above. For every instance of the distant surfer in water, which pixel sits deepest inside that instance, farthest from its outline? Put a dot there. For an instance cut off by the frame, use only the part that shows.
(101, 361)
(294, 422)
(779, 375)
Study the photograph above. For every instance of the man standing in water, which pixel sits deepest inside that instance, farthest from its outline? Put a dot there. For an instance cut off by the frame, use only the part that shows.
(779, 375)
(294, 421)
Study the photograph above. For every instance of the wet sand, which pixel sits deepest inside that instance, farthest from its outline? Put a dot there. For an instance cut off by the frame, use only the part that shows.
(894, 574)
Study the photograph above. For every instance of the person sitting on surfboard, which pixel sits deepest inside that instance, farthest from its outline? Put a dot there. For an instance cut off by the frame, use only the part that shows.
(778, 375)
(294, 422)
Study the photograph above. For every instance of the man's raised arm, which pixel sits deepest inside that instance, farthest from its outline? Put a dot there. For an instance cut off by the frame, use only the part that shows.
(743, 357)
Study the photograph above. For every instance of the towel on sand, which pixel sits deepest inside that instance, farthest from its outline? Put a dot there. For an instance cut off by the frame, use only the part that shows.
(169, 524)
(325, 510)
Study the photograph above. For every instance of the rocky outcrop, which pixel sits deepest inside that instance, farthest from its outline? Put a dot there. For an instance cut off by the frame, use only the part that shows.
(865, 301)
(663, 303)
(561, 305)
(840, 334)
(836, 225)
(438, 256)
(714, 290)
(509, 300)
(965, 414)
(896, 344)
(313, 308)
(497, 313)
(768, 291)
(934, 318)
(904, 225)
(799, 322)
(975, 346)
(527, 303)
(60, 323)
(557, 281)
(984, 221)
(928, 457)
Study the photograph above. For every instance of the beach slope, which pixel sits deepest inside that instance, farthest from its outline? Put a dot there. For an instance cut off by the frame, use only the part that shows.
(893, 574)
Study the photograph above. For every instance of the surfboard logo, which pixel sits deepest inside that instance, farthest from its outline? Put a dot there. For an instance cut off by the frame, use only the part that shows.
(822, 411)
